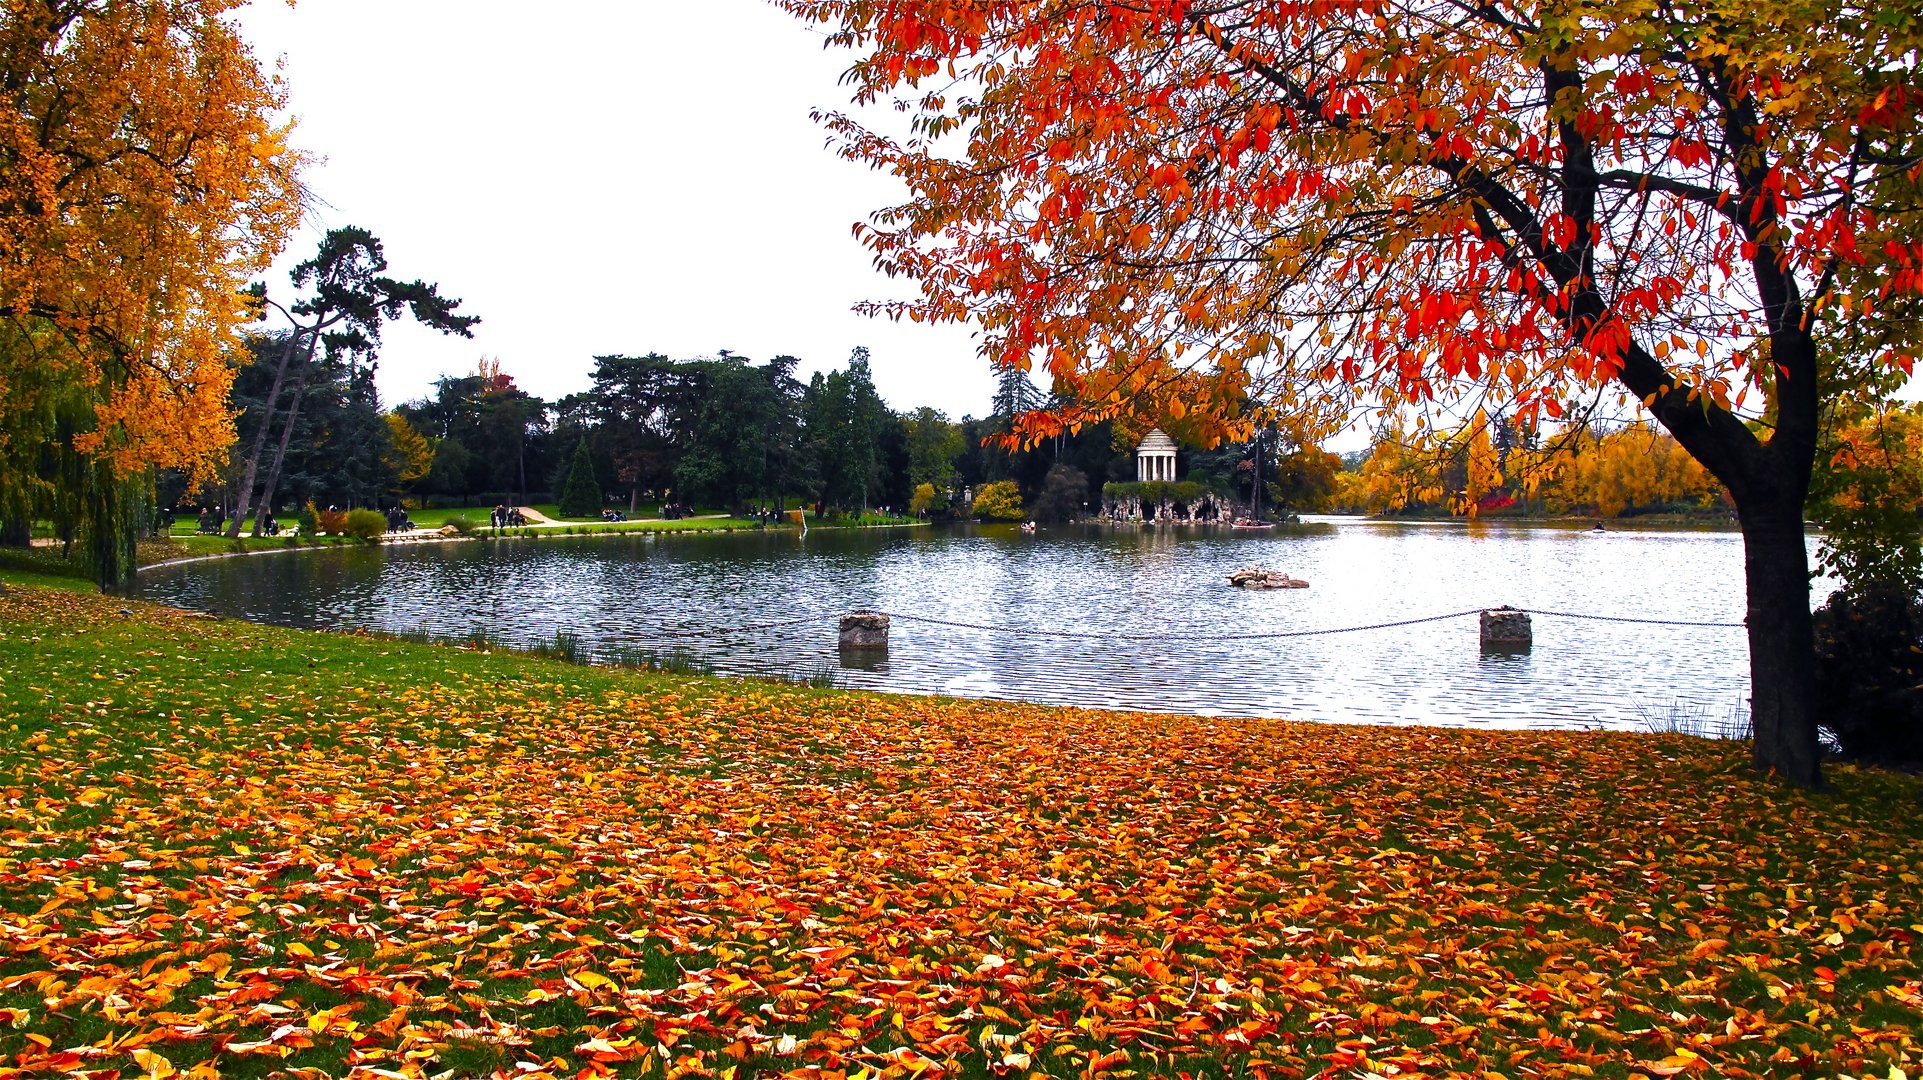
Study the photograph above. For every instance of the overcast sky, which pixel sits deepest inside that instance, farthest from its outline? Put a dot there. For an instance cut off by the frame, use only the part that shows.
(600, 177)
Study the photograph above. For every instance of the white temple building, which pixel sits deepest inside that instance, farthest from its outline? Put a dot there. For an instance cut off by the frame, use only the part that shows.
(1155, 458)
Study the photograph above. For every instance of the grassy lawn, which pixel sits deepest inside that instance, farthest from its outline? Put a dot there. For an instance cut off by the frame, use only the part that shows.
(248, 851)
(584, 528)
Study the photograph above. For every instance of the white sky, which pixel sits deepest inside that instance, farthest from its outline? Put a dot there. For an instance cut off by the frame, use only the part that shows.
(600, 177)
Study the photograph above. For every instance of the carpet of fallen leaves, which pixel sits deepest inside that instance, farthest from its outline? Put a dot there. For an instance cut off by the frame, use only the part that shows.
(236, 850)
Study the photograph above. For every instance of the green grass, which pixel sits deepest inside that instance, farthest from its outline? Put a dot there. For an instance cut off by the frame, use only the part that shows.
(435, 517)
(863, 521)
(187, 527)
(42, 567)
(196, 546)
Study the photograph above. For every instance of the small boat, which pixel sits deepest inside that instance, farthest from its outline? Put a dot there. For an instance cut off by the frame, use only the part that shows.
(1028, 526)
(1246, 524)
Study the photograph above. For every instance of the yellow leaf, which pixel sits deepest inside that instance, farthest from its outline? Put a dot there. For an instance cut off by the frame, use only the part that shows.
(158, 1068)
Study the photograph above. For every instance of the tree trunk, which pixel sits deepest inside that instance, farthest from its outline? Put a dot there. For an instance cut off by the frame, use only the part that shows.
(260, 434)
(520, 463)
(16, 530)
(1782, 642)
(280, 451)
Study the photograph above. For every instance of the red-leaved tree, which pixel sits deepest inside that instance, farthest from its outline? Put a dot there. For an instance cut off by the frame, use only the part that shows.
(1189, 206)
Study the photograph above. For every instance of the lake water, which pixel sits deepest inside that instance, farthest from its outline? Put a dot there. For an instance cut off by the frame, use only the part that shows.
(1156, 603)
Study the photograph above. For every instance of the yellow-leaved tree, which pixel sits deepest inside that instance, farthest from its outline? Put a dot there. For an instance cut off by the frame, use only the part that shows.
(144, 180)
(1483, 466)
(412, 455)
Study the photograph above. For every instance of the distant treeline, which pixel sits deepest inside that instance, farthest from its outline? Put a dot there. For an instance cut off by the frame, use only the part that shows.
(1492, 467)
(725, 432)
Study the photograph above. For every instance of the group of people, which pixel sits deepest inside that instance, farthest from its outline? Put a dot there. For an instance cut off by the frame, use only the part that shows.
(397, 520)
(613, 515)
(506, 517)
(675, 511)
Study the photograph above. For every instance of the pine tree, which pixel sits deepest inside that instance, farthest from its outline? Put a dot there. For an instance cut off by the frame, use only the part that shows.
(581, 498)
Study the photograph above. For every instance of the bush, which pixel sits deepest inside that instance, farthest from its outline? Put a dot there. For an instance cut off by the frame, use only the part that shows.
(334, 522)
(999, 501)
(309, 520)
(365, 525)
(462, 524)
(1869, 674)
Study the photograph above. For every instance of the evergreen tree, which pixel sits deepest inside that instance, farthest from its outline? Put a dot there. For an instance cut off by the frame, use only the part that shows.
(582, 496)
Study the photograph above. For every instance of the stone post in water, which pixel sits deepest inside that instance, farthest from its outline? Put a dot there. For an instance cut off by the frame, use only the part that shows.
(864, 630)
(1506, 629)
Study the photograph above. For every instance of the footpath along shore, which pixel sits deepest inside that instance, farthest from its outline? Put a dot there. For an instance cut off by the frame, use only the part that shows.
(243, 850)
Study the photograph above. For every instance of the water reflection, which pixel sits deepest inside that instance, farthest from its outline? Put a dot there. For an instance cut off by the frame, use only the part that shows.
(687, 592)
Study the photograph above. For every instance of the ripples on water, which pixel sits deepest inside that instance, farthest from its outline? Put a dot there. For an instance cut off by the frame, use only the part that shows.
(661, 592)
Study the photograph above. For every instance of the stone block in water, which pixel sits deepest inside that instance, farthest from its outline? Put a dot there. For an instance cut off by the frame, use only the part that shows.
(1505, 629)
(864, 630)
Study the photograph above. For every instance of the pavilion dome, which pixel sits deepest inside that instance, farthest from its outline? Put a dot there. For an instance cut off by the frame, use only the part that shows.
(1157, 440)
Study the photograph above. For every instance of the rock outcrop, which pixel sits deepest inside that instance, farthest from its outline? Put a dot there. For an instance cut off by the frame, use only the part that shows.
(1255, 577)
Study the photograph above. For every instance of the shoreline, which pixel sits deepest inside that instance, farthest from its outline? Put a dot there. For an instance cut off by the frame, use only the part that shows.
(556, 531)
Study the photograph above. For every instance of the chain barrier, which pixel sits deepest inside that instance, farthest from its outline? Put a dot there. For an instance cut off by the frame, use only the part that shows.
(1624, 618)
(720, 631)
(1165, 634)
(1023, 631)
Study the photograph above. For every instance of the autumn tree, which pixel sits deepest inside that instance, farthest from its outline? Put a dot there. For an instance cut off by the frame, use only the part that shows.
(409, 455)
(1869, 500)
(1482, 467)
(1308, 203)
(350, 296)
(143, 180)
(1305, 479)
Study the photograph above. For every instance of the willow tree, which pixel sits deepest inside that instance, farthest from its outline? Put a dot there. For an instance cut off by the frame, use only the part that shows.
(1229, 208)
(143, 181)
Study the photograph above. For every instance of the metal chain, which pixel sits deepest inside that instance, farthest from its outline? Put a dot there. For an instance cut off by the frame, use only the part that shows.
(752, 627)
(1022, 631)
(1624, 618)
(1163, 635)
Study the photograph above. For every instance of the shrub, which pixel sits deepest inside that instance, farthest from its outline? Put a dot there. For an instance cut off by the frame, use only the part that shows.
(309, 520)
(367, 526)
(1869, 674)
(999, 501)
(462, 524)
(334, 522)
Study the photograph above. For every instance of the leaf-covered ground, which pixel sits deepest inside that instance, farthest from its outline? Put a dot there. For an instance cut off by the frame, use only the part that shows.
(242, 850)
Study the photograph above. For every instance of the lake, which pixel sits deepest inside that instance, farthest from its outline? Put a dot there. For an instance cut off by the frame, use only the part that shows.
(1155, 604)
